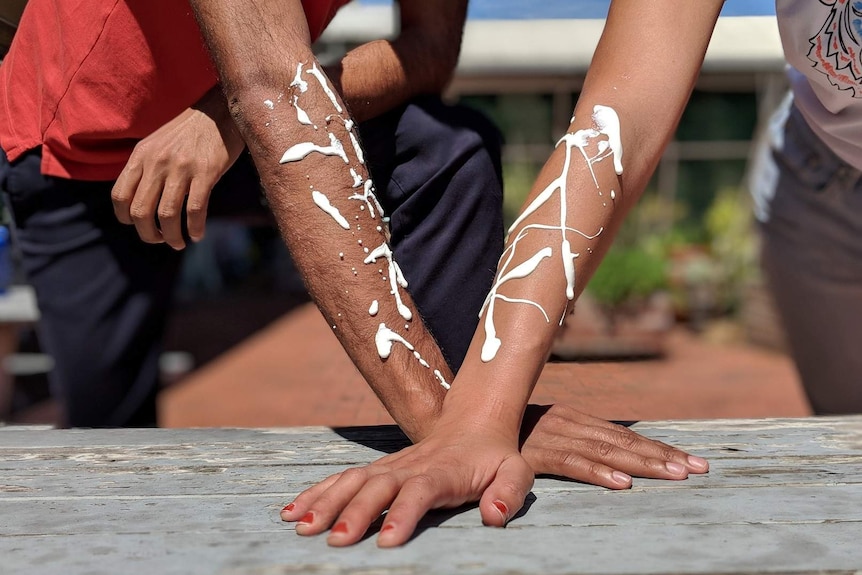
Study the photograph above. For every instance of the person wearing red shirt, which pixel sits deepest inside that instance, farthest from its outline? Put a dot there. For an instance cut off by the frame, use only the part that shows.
(110, 114)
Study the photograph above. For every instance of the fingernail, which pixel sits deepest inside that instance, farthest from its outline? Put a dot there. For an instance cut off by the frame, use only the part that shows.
(699, 462)
(502, 509)
(307, 518)
(675, 468)
(339, 528)
(289, 507)
(621, 477)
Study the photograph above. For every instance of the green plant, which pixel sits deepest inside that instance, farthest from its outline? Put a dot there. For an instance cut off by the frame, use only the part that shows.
(627, 274)
(732, 242)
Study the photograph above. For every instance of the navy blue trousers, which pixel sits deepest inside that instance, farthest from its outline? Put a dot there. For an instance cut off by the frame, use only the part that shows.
(105, 295)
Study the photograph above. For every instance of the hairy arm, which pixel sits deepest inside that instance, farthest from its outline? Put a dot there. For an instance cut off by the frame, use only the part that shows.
(304, 145)
(380, 75)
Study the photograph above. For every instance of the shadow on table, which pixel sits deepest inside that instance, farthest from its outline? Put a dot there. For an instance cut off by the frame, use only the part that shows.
(438, 517)
(389, 438)
(384, 438)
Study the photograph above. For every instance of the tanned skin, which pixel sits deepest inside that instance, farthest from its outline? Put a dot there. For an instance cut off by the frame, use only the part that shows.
(480, 441)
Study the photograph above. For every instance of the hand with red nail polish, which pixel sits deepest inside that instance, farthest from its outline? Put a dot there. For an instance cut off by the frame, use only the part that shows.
(455, 465)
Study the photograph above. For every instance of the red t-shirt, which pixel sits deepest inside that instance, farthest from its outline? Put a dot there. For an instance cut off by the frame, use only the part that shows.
(86, 80)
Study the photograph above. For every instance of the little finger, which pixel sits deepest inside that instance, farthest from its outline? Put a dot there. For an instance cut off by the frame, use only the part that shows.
(296, 510)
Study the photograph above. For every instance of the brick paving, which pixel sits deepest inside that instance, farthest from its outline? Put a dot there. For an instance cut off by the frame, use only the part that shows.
(294, 372)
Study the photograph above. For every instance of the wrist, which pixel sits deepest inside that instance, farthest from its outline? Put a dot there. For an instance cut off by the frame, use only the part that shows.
(484, 413)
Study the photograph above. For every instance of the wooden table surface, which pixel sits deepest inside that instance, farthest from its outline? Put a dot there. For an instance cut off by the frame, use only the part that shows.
(782, 496)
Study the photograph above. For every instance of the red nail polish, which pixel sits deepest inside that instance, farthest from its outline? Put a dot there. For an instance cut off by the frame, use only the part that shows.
(501, 507)
(289, 507)
(307, 518)
(340, 527)
(387, 527)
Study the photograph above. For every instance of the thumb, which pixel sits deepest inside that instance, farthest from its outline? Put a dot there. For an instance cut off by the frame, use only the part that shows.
(505, 496)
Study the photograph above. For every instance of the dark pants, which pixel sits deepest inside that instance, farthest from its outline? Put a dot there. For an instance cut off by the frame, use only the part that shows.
(105, 295)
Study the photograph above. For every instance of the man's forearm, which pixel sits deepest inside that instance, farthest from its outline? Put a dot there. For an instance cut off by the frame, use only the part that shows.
(378, 76)
(304, 145)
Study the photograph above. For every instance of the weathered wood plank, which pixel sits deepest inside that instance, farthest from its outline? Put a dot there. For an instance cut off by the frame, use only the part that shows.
(782, 496)
(636, 509)
(546, 550)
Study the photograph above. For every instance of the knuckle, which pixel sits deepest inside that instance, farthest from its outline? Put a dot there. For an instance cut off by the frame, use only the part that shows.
(355, 474)
(140, 150)
(629, 440)
(567, 459)
(604, 449)
(423, 481)
(195, 207)
(595, 469)
(139, 213)
(511, 488)
(384, 480)
(119, 196)
(162, 157)
(186, 164)
(168, 213)
(668, 454)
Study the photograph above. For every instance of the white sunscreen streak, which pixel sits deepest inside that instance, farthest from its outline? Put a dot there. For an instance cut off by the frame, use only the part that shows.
(442, 381)
(421, 361)
(396, 278)
(269, 104)
(368, 197)
(300, 151)
(323, 84)
(298, 81)
(323, 203)
(356, 147)
(492, 342)
(348, 125)
(301, 114)
(372, 310)
(385, 338)
(606, 123)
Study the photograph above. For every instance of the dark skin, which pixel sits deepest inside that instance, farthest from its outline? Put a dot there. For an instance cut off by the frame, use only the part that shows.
(469, 443)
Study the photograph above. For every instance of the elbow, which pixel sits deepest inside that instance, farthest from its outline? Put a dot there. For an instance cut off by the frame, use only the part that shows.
(433, 56)
(443, 65)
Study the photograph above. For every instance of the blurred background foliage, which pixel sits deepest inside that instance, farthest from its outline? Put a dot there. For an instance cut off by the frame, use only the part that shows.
(692, 233)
